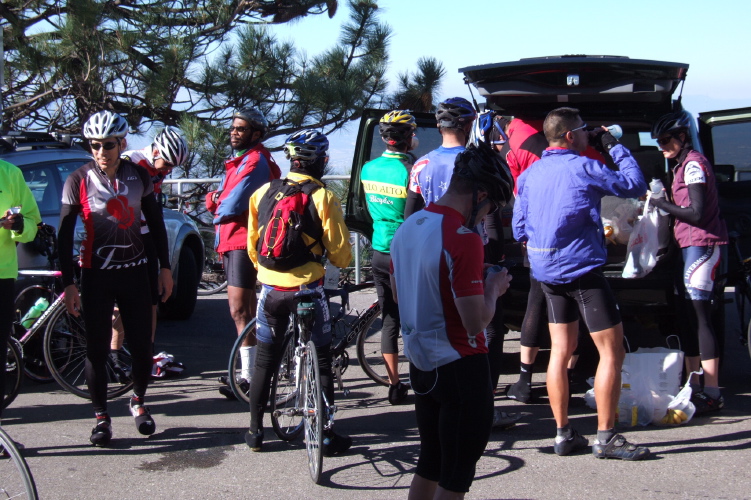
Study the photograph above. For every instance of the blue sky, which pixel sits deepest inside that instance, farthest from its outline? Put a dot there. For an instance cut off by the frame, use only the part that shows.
(712, 37)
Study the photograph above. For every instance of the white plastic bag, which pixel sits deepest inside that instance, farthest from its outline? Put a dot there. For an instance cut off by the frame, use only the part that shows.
(643, 244)
(680, 410)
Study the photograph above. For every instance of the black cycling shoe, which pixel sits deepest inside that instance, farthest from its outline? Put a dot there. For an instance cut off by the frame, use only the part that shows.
(227, 391)
(101, 434)
(335, 444)
(398, 393)
(575, 442)
(254, 440)
(520, 391)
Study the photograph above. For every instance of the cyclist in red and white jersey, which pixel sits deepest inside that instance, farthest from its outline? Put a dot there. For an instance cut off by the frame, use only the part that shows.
(109, 194)
(169, 150)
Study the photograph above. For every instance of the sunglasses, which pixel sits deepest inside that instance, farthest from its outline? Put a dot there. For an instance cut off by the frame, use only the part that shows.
(665, 140)
(574, 130)
(239, 129)
(108, 146)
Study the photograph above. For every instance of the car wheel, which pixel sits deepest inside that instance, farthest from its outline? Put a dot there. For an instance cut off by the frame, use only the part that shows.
(180, 306)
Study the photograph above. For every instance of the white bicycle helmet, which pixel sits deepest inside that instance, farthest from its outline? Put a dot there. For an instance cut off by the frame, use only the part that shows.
(172, 146)
(105, 124)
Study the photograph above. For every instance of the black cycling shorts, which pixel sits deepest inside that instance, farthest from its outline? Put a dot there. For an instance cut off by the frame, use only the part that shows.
(588, 296)
(454, 410)
(239, 269)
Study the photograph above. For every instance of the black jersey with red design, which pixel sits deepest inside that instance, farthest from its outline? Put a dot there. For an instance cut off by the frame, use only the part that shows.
(111, 214)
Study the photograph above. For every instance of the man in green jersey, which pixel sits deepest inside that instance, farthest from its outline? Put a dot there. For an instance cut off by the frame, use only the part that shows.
(385, 182)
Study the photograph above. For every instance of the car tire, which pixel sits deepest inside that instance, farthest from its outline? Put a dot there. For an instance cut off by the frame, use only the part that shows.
(183, 301)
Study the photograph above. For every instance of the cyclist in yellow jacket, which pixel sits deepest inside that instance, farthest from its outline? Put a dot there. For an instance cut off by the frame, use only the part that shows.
(20, 216)
(292, 265)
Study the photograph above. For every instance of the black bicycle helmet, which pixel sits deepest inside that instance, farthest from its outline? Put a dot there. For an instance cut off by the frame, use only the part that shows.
(455, 112)
(397, 127)
(672, 123)
(254, 117)
(484, 167)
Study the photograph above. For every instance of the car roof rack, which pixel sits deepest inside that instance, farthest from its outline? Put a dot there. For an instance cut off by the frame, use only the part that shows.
(24, 140)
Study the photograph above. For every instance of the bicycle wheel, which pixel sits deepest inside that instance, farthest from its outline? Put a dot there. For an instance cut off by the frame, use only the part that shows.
(743, 303)
(213, 280)
(313, 411)
(286, 417)
(369, 346)
(234, 371)
(13, 372)
(33, 348)
(16, 480)
(65, 354)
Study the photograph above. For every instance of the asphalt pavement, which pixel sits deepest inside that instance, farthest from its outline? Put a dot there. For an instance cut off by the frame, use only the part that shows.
(198, 449)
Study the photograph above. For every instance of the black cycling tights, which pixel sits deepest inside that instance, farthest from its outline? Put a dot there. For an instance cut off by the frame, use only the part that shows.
(100, 289)
(6, 323)
(708, 346)
(268, 358)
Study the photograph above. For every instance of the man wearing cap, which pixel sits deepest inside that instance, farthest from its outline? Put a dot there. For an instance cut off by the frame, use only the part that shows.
(250, 168)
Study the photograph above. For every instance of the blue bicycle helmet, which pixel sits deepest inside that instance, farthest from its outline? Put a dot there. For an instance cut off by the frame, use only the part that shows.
(306, 145)
(455, 112)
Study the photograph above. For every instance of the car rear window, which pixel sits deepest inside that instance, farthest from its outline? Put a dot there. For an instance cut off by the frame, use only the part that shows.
(731, 147)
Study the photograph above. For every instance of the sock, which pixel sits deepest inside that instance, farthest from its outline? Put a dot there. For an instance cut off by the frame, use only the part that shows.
(563, 433)
(525, 373)
(248, 361)
(695, 388)
(712, 392)
(102, 416)
(136, 400)
(604, 436)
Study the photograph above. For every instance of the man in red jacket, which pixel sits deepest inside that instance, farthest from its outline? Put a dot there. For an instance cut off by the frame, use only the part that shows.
(250, 168)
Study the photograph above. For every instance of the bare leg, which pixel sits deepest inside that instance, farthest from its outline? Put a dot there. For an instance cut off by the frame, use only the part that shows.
(693, 364)
(528, 354)
(392, 367)
(711, 372)
(562, 345)
(422, 489)
(242, 308)
(118, 332)
(609, 344)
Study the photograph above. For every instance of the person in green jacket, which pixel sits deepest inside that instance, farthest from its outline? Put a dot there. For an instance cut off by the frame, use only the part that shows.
(20, 216)
(385, 182)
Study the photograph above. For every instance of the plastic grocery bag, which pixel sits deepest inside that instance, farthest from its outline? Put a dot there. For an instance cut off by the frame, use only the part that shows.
(680, 409)
(643, 244)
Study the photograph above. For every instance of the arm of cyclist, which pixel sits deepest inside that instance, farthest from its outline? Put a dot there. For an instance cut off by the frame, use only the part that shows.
(23, 225)
(414, 203)
(155, 219)
(335, 231)
(476, 311)
(65, 233)
(693, 213)
(235, 203)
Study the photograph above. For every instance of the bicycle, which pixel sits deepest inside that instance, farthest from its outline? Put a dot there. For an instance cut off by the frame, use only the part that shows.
(64, 344)
(213, 279)
(298, 404)
(16, 480)
(364, 331)
(742, 291)
(13, 372)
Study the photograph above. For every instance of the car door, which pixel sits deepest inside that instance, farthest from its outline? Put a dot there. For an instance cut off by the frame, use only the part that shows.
(725, 139)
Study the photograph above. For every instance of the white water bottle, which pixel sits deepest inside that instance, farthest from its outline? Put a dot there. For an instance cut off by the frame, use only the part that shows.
(658, 191)
(615, 130)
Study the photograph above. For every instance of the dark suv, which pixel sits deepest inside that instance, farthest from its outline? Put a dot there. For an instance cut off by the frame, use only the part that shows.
(607, 90)
(47, 162)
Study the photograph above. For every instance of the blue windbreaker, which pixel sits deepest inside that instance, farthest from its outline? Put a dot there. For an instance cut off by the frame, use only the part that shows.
(557, 210)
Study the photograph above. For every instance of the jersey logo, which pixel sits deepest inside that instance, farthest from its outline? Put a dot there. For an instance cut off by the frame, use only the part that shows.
(463, 230)
(421, 220)
(119, 209)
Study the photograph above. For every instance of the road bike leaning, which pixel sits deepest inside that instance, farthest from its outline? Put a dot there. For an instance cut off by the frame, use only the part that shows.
(213, 279)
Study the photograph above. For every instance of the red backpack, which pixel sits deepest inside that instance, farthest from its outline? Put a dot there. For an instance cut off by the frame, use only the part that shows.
(286, 212)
